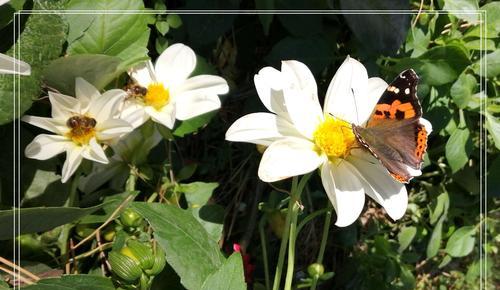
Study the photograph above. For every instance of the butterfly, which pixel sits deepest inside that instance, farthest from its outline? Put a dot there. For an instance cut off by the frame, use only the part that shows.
(395, 132)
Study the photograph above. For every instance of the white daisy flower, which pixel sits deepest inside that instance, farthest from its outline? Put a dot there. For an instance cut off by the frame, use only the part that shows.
(10, 65)
(81, 125)
(169, 93)
(303, 137)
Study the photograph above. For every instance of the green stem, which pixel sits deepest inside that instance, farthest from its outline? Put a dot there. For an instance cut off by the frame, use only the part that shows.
(324, 238)
(132, 178)
(263, 244)
(70, 202)
(284, 239)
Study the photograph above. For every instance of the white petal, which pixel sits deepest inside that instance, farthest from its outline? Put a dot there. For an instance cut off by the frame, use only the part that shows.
(107, 106)
(260, 128)
(3, 2)
(380, 185)
(94, 152)
(85, 92)
(134, 113)
(344, 189)
(344, 89)
(269, 84)
(304, 112)
(367, 100)
(427, 125)
(63, 106)
(301, 78)
(55, 126)
(73, 160)
(175, 65)
(166, 116)
(46, 146)
(288, 157)
(112, 128)
(202, 84)
(10, 65)
(190, 106)
(143, 74)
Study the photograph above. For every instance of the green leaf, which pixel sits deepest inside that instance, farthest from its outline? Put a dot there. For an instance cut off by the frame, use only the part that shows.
(462, 89)
(458, 148)
(479, 44)
(73, 282)
(265, 19)
(192, 125)
(313, 51)
(378, 33)
(228, 277)
(441, 209)
(462, 9)
(190, 251)
(418, 42)
(163, 27)
(174, 20)
(446, 260)
(405, 237)
(435, 240)
(198, 193)
(461, 243)
(492, 65)
(40, 42)
(123, 35)
(39, 219)
(211, 217)
(493, 126)
(97, 69)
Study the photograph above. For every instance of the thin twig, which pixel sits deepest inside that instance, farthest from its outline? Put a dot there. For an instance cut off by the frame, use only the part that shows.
(111, 218)
(19, 268)
(14, 274)
(418, 14)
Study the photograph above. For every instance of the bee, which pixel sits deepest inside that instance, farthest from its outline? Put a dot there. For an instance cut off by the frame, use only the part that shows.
(134, 91)
(81, 122)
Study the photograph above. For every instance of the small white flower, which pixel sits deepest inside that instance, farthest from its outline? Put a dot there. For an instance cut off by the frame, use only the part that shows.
(171, 94)
(10, 65)
(303, 137)
(3, 2)
(82, 125)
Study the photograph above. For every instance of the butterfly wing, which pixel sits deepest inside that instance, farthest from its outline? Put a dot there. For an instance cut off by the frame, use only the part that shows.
(393, 133)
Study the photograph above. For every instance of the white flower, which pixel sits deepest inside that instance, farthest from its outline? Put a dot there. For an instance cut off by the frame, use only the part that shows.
(3, 2)
(171, 94)
(303, 137)
(10, 65)
(81, 125)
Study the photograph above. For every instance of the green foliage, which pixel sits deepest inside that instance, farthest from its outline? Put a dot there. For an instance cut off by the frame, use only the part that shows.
(76, 282)
(228, 277)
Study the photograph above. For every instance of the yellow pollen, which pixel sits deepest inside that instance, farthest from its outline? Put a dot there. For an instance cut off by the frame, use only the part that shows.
(157, 96)
(82, 129)
(334, 137)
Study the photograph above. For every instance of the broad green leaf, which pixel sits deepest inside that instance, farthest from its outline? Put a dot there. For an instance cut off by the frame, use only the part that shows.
(463, 9)
(265, 19)
(435, 240)
(192, 125)
(40, 42)
(492, 68)
(493, 126)
(39, 219)
(493, 13)
(418, 42)
(315, 52)
(378, 33)
(462, 89)
(73, 282)
(461, 243)
(446, 260)
(190, 250)
(228, 277)
(122, 35)
(441, 209)
(97, 69)
(174, 20)
(162, 26)
(458, 148)
(479, 44)
(198, 193)
(407, 278)
(405, 237)
(211, 217)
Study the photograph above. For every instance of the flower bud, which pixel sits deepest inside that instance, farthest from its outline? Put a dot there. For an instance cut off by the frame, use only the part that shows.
(124, 266)
(142, 253)
(130, 218)
(159, 262)
(315, 270)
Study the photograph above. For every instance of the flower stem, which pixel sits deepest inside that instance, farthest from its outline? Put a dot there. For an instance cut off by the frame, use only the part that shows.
(324, 238)
(70, 202)
(132, 178)
(263, 243)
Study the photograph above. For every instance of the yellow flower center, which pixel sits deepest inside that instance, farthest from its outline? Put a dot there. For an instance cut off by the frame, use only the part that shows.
(334, 137)
(82, 129)
(157, 96)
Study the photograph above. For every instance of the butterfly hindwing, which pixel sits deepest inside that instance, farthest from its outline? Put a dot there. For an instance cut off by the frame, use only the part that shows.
(393, 133)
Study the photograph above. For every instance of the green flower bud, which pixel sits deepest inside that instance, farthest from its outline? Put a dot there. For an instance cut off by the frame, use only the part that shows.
(142, 252)
(315, 270)
(159, 262)
(124, 266)
(130, 218)
(83, 230)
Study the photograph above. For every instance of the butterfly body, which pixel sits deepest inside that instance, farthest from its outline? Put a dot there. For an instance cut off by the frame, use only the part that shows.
(395, 133)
